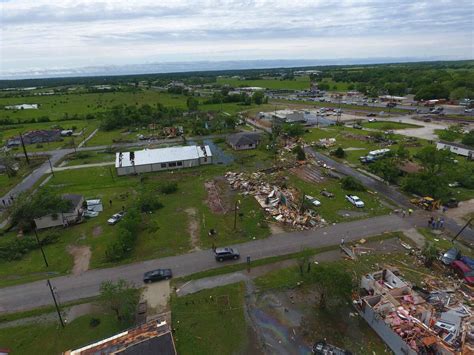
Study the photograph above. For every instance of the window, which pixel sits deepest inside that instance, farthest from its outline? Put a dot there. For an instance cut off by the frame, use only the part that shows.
(173, 164)
(180, 163)
(163, 165)
(205, 159)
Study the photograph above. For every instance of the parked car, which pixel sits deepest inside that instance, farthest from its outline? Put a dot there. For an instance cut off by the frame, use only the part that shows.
(450, 255)
(452, 203)
(372, 120)
(222, 254)
(468, 110)
(312, 200)
(115, 218)
(327, 194)
(357, 126)
(463, 271)
(90, 214)
(371, 114)
(356, 201)
(157, 275)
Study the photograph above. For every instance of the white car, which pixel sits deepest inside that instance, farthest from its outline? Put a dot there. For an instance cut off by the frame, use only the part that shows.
(312, 200)
(356, 201)
(372, 120)
(115, 218)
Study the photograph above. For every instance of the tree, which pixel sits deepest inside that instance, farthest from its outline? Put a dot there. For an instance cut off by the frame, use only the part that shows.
(435, 161)
(258, 97)
(121, 298)
(332, 281)
(339, 152)
(468, 139)
(192, 103)
(430, 253)
(27, 207)
(300, 154)
(352, 184)
(402, 152)
(293, 130)
(387, 168)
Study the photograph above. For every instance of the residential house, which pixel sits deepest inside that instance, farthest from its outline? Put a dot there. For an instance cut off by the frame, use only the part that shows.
(71, 216)
(35, 137)
(457, 148)
(244, 140)
(148, 160)
(153, 337)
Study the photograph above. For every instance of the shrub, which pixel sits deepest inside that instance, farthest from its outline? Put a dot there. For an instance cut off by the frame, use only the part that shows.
(349, 183)
(300, 154)
(126, 238)
(149, 203)
(339, 153)
(94, 322)
(169, 188)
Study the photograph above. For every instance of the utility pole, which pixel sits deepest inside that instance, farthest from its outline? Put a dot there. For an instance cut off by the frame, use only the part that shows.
(237, 202)
(74, 145)
(51, 166)
(56, 303)
(33, 224)
(457, 235)
(24, 149)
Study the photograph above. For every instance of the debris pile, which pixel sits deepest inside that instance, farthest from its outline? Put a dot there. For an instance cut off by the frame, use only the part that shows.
(283, 204)
(326, 142)
(434, 320)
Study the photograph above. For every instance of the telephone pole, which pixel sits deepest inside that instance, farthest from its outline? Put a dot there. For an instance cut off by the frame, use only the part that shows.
(39, 243)
(51, 166)
(56, 303)
(24, 149)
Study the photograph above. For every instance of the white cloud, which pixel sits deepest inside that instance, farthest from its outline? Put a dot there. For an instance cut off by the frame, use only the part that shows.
(42, 33)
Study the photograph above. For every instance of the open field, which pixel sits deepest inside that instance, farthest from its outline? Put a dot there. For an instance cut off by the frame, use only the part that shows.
(210, 321)
(299, 83)
(57, 106)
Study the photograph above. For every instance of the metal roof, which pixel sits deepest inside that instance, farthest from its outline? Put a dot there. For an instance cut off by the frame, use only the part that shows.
(162, 155)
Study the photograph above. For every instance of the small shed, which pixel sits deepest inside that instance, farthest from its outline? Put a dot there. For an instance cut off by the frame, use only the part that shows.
(244, 140)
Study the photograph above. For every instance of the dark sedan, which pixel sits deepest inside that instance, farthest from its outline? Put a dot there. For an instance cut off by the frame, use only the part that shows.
(157, 275)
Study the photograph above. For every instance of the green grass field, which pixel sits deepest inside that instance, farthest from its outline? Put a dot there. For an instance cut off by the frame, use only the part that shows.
(56, 106)
(386, 125)
(299, 83)
(51, 339)
(210, 321)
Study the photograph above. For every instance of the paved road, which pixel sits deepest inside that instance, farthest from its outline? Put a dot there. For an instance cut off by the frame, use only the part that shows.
(69, 288)
(389, 192)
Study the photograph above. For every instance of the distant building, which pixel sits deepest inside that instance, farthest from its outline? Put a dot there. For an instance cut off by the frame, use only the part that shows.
(244, 140)
(153, 337)
(22, 107)
(457, 148)
(72, 216)
(148, 160)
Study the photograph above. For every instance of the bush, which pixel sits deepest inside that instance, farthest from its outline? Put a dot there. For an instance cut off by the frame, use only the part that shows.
(15, 249)
(168, 188)
(349, 183)
(300, 154)
(82, 155)
(126, 238)
(149, 203)
(339, 153)
(94, 322)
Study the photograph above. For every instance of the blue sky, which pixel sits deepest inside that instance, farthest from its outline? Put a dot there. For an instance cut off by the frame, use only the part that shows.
(42, 34)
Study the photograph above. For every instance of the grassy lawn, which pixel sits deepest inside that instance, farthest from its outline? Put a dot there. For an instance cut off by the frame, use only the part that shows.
(210, 321)
(52, 339)
(91, 157)
(299, 83)
(386, 125)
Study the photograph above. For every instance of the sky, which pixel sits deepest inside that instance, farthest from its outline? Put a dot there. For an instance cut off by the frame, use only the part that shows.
(42, 35)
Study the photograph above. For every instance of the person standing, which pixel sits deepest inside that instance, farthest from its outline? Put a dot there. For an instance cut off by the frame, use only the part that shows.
(342, 242)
